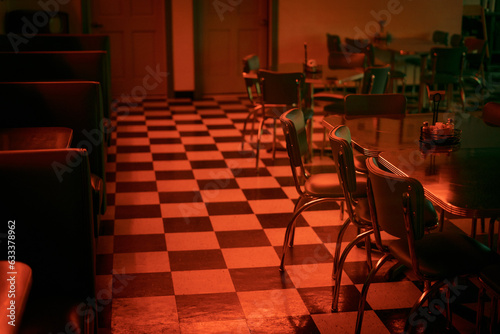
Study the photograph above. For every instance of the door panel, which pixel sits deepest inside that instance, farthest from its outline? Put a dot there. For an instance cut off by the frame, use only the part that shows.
(229, 31)
(138, 46)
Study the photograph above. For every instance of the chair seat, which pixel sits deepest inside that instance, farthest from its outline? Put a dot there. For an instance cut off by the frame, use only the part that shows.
(323, 185)
(327, 185)
(360, 163)
(328, 96)
(443, 255)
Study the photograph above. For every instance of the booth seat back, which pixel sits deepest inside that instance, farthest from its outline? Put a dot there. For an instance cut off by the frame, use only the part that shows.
(76, 105)
(58, 66)
(51, 219)
(54, 42)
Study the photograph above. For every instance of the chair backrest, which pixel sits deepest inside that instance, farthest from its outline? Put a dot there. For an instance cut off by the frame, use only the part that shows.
(448, 61)
(333, 43)
(281, 88)
(251, 63)
(343, 157)
(363, 46)
(440, 37)
(75, 105)
(58, 66)
(456, 40)
(491, 113)
(55, 42)
(396, 202)
(53, 219)
(294, 128)
(375, 80)
(476, 51)
(345, 60)
(375, 104)
(340, 140)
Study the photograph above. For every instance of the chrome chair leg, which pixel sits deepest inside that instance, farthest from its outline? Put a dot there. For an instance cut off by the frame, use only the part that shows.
(428, 292)
(364, 291)
(338, 246)
(340, 266)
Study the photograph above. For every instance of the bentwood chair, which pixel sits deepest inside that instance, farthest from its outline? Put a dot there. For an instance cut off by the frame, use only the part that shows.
(251, 64)
(312, 188)
(280, 92)
(397, 207)
(447, 70)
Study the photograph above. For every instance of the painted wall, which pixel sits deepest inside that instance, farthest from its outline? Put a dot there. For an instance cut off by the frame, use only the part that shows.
(309, 21)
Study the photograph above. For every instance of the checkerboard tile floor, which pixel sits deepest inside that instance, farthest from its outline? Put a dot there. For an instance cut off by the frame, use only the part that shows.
(191, 240)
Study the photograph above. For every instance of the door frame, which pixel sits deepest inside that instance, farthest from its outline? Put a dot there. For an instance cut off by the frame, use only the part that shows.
(86, 10)
(272, 42)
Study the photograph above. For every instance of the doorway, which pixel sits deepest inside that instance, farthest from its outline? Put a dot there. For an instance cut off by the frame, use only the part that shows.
(138, 45)
(225, 32)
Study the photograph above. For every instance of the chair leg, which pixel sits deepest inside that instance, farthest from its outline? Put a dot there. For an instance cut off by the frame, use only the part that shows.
(259, 137)
(480, 309)
(368, 245)
(290, 229)
(420, 302)
(243, 132)
(274, 138)
(364, 291)
(338, 246)
(340, 267)
(494, 313)
(448, 309)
